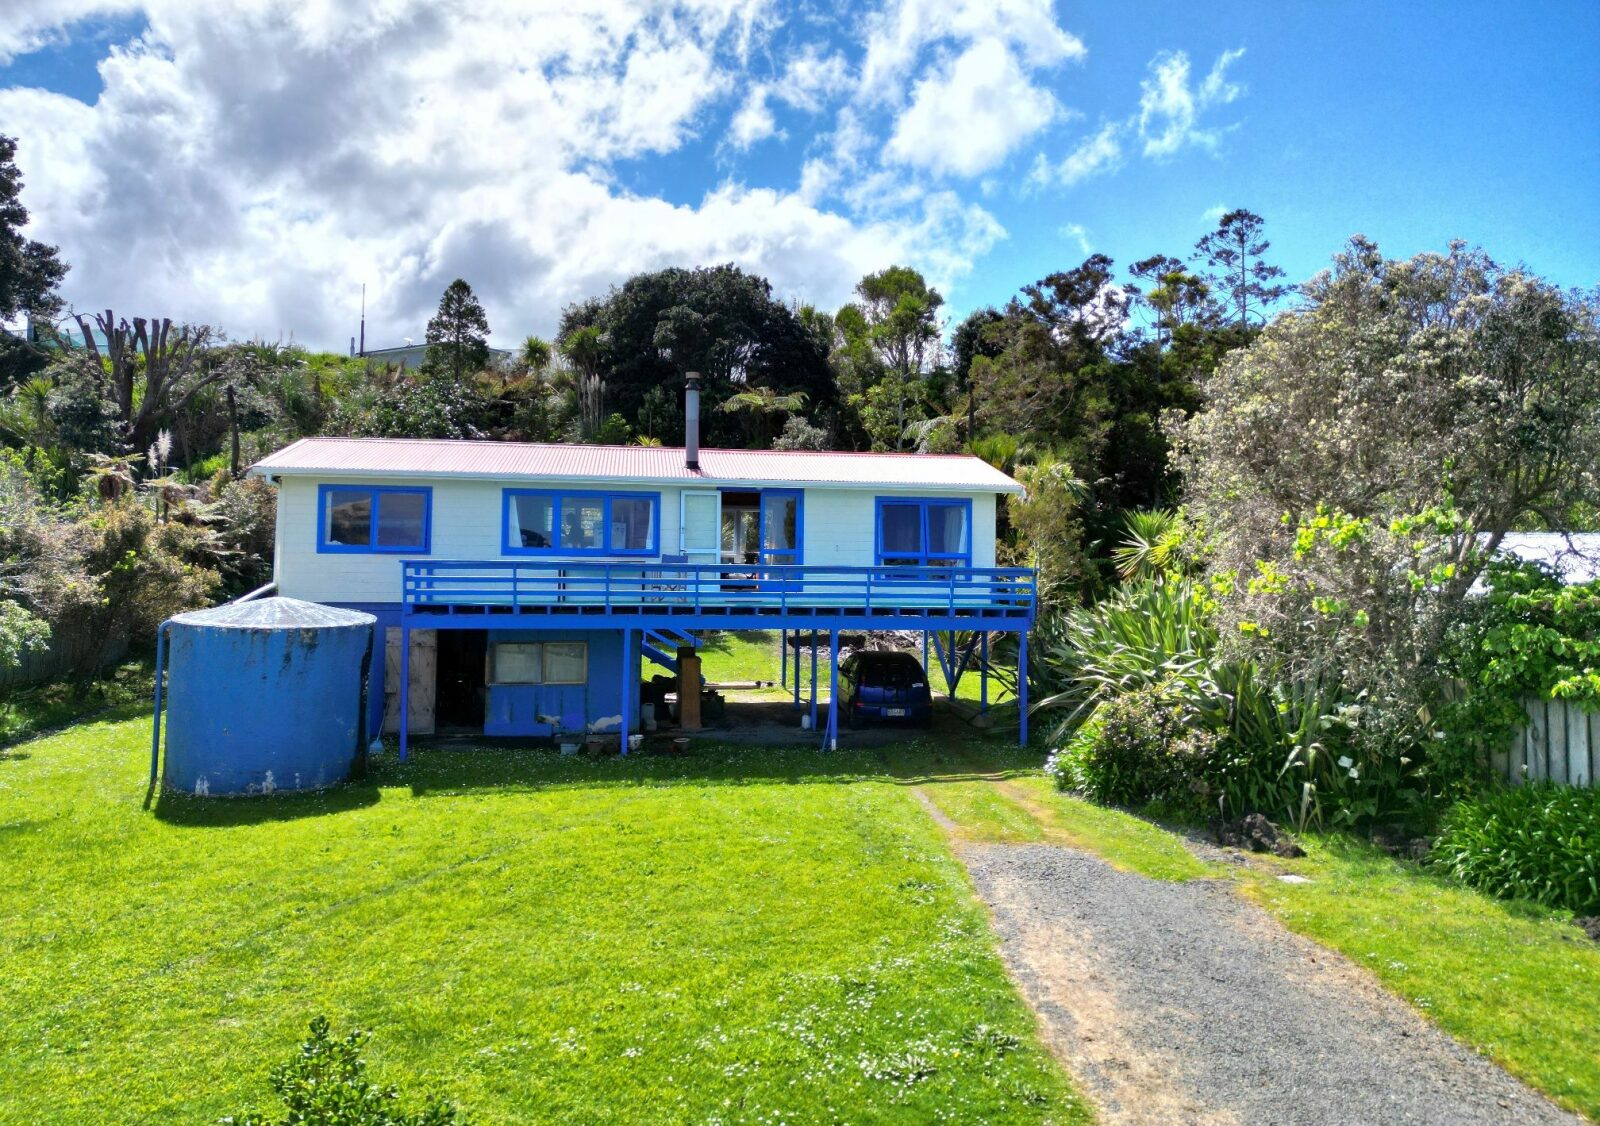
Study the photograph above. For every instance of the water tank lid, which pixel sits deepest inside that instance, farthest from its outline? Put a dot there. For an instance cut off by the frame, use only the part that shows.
(274, 613)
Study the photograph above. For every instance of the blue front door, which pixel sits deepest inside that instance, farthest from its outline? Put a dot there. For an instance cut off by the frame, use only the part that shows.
(782, 513)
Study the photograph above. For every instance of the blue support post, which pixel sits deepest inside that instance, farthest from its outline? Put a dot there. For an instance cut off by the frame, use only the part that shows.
(155, 734)
(832, 742)
(1022, 687)
(925, 651)
(797, 673)
(983, 674)
(813, 680)
(405, 688)
(783, 658)
(627, 690)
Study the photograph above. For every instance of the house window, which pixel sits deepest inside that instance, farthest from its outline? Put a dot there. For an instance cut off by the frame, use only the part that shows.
(539, 662)
(548, 523)
(924, 533)
(373, 518)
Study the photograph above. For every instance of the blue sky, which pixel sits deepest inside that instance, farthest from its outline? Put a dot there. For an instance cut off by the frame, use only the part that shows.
(546, 153)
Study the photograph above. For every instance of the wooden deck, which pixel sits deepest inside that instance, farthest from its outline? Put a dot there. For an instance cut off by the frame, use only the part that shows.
(716, 596)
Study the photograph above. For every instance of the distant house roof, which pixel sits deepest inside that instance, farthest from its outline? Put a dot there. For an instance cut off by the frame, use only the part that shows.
(418, 457)
(1574, 555)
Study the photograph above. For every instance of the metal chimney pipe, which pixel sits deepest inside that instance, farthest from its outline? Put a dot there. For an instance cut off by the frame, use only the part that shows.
(691, 421)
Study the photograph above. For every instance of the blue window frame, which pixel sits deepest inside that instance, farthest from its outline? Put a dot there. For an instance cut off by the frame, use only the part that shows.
(368, 519)
(572, 522)
(924, 532)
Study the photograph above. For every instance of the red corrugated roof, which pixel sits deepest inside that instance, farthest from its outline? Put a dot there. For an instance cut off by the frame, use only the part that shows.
(419, 457)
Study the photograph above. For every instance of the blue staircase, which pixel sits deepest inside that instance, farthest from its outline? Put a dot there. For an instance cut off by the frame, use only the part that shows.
(658, 646)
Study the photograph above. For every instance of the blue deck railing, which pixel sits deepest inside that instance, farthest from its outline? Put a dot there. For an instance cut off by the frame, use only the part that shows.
(680, 590)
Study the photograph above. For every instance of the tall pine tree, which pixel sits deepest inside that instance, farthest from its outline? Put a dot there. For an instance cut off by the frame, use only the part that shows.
(458, 334)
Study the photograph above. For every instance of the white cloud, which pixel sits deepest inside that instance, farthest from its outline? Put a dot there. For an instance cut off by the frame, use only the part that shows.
(1079, 234)
(968, 116)
(809, 81)
(897, 34)
(1214, 214)
(812, 77)
(27, 25)
(754, 121)
(1098, 153)
(252, 164)
(1170, 106)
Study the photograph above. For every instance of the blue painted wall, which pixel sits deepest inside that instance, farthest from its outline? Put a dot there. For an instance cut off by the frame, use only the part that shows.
(526, 709)
(563, 709)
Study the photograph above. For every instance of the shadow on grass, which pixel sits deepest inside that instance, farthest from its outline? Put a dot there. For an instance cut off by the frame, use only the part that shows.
(445, 768)
(54, 724)
(227, 812)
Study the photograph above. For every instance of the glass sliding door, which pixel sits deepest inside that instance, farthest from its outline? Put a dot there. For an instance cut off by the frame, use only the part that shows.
(780, 531)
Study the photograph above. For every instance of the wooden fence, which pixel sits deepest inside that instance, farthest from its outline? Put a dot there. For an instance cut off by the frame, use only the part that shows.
(70, 648)
(1561, 743)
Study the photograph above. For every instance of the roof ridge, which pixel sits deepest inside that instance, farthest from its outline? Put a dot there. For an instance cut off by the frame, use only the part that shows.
(613, 446)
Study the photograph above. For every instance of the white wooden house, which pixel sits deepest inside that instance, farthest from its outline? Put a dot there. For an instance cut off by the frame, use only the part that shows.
(522, 585)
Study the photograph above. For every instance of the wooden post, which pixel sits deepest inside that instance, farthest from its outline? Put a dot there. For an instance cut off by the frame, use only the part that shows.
(688, 689)
(832, 742)
(813, 680)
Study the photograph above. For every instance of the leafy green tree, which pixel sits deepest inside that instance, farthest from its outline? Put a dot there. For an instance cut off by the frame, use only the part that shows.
(30, 271)
(719, 321)
(1174, 296)
(535, 354)
(761, 407)
(1049, 379)
(1239, 275)
(20, 633)
(1358, 463)
(798, 434)
(901, 315)
(431, 404)
(458, 334)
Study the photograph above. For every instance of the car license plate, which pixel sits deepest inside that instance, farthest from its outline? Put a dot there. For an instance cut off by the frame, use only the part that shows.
(894, 713)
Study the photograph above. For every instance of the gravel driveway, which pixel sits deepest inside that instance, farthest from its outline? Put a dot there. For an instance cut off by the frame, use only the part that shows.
(1182, 1002)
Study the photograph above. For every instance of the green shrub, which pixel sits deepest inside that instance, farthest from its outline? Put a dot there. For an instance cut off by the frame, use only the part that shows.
(1139, 747)
(1538, 842)
(1146, 633)
(326, 1082)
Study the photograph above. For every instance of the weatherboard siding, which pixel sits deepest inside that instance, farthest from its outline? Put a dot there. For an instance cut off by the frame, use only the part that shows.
(839, 530)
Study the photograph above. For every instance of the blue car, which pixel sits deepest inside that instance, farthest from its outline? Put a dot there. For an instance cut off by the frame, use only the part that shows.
(884, 684)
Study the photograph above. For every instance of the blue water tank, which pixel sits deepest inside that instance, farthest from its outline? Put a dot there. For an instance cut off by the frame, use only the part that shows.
(265, 696)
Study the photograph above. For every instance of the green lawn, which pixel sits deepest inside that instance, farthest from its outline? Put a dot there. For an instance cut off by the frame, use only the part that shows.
(751, 655)
(1516, 981)
(772, 935)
